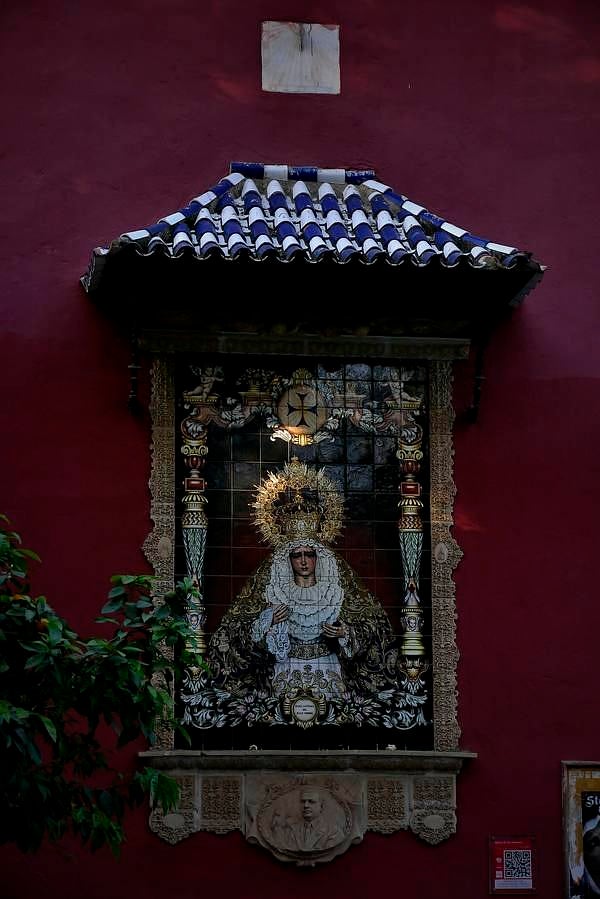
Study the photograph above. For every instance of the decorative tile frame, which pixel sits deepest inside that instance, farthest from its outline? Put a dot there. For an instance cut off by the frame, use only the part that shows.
(159, 546)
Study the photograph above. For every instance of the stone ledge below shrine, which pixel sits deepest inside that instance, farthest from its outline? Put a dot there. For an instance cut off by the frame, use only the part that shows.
(264, 794)
(306, 760)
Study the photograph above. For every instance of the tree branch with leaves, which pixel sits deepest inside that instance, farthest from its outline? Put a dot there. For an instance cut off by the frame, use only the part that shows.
(68, 704)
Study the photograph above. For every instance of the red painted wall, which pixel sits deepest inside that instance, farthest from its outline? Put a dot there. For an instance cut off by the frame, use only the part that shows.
(117, 113)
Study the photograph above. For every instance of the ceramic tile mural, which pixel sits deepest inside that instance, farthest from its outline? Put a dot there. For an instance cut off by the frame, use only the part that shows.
(302, 497)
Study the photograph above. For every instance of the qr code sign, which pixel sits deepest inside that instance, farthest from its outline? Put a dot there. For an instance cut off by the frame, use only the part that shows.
(517, 864)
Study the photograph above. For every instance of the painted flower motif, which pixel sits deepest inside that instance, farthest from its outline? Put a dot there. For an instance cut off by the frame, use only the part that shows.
(246, 708)
(358, 710)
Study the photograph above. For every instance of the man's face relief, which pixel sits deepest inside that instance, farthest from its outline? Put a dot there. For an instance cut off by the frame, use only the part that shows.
(311, 805)
(303, 560)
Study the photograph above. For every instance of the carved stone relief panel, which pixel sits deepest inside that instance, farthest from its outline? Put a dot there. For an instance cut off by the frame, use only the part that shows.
(388, 803)
(181, 822)
(220, 803)
(309, 817)
(434, 808)
(304, 819)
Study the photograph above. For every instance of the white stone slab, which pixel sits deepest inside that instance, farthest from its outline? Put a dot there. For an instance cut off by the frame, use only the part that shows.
(300, 58)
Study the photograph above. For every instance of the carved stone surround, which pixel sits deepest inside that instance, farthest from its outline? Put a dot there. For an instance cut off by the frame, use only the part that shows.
(379, 790)
(263, 795)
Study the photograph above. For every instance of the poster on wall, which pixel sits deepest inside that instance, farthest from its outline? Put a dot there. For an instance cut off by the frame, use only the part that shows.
(512, 865)
(581, 829)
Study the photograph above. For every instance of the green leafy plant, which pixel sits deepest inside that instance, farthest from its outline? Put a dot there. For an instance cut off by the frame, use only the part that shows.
(68, 704)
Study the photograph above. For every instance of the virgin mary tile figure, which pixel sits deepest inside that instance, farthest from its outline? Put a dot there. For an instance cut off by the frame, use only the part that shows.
(303, 620)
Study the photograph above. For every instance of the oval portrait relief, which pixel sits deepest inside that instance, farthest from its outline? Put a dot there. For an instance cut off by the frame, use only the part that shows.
(304, 819)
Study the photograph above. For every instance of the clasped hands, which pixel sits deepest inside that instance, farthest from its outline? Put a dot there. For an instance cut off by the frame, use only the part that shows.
(334, 630)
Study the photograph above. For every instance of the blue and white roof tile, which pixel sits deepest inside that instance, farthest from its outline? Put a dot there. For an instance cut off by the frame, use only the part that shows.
(288, 213)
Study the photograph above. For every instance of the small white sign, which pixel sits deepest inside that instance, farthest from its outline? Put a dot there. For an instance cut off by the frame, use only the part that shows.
(300, 58)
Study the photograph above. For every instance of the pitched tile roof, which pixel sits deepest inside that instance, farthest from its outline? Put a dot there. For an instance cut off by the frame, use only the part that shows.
(288, 214)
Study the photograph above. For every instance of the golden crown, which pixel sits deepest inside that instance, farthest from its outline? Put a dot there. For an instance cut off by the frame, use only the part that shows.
(298, 503)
